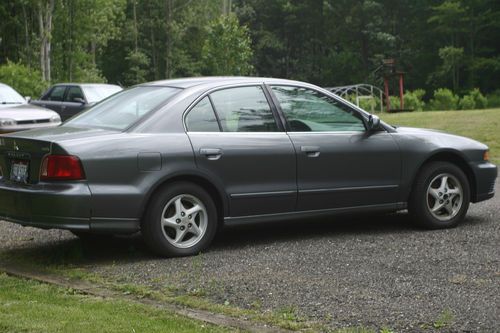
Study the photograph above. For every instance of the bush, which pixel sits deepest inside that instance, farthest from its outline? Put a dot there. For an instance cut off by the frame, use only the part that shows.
(364, 103)
(368, 104)
(479, 99)
(494, 99)
(444, 99)
(395, 103)
(467, 103)
(28, 82)
(414, 100)
(88, 74)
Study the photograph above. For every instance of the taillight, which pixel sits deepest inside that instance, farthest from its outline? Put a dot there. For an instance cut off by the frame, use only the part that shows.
(61, 167)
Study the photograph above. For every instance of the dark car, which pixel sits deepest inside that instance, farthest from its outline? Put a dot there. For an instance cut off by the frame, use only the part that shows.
(68, 99)
(178, 159)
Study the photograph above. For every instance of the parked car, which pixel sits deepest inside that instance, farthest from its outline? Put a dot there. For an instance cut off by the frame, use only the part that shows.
(17, 115)
(68, 99)
(178, 159)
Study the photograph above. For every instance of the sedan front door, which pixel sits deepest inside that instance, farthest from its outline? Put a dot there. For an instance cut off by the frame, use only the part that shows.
(53, 99)
(74, 102)
(339, 163)
(243, 147)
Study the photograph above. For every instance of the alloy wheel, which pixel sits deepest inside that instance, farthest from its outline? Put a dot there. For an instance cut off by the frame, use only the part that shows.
(184, 221)
(444, 197)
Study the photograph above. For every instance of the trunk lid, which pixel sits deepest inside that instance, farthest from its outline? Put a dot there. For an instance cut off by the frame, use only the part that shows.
(15, 152)
(27, 149)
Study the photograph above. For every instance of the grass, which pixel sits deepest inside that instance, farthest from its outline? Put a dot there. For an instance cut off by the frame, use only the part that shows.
(480, 125)
(28, 306)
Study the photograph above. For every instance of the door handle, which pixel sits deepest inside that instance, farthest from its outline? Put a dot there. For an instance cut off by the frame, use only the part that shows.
(211, 153)
(310, 151)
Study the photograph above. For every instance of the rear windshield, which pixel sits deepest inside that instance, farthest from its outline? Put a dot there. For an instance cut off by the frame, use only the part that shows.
(98, 93)
(122, 110)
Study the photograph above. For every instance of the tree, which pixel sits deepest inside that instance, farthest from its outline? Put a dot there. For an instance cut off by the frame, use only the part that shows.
(227, 49)
(137, 64)
(452, 60)
(45, 14)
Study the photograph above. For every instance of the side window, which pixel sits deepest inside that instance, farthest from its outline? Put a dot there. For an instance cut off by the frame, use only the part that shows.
(56, 94)
(73, 94)
(308, 110)
(244, 109)
(201, 118)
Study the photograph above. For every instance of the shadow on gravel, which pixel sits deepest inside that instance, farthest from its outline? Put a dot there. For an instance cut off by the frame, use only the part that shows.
(276, 232)
(103, 250)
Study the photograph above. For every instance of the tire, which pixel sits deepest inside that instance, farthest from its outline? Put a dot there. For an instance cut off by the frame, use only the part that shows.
(440, 196)
(181, 220)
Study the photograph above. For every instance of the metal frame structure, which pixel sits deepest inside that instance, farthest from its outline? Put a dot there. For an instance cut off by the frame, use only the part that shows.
(361, 91)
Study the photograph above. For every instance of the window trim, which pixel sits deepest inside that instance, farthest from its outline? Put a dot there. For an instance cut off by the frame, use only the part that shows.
(274, 112)
(288, 128)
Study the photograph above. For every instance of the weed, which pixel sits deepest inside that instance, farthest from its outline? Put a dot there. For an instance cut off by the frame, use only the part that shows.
(445, 319)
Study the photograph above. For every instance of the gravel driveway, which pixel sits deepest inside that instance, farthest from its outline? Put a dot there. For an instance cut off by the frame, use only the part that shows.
(375, 271)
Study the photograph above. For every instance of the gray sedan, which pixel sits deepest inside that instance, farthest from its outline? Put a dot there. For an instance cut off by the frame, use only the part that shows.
(17, 115)
(178, 159)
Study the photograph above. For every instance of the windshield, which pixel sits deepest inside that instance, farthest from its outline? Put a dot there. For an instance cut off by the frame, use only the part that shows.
(123, 109)
(10, 96)
(98, 93)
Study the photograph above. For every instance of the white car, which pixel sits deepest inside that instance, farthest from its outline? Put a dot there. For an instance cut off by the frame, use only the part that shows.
(17, 115)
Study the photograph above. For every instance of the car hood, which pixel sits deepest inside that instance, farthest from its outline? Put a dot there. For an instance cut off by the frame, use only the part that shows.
(438, 138)
(22, 112)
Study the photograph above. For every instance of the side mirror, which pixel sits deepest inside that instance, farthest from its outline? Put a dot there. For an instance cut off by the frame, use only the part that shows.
(27, 98)
(373, 122)
(79, 100)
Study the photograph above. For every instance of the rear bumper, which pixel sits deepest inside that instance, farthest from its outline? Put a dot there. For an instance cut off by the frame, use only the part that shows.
(47, 206)
(485, 174)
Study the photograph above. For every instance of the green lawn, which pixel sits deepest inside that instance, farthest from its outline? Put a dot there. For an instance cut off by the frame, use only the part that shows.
(28, 306)
(481, 125)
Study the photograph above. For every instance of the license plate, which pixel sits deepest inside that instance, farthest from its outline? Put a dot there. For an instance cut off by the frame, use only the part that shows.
(19, 171)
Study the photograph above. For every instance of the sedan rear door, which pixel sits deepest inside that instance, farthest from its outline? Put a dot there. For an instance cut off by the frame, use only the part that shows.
(238, 142)
(339, 163)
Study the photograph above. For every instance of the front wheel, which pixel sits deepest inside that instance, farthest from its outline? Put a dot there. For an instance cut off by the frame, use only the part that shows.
(440, 197)
(181, 220)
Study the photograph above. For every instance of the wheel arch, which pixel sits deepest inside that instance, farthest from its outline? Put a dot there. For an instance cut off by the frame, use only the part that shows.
(451, 156)
(215, 191)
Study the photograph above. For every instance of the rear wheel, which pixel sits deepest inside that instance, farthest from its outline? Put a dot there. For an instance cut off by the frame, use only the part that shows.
(181, 220)
(440, 197)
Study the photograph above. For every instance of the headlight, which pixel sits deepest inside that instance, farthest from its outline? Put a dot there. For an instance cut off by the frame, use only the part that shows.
(486, 155)
(55, 119)
(7, 122)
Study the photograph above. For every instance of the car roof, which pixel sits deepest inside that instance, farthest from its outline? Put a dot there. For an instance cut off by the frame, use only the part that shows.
(85, 84)
(216, 80)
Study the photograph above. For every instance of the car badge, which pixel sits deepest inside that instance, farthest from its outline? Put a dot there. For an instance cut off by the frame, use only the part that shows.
(16, 147)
